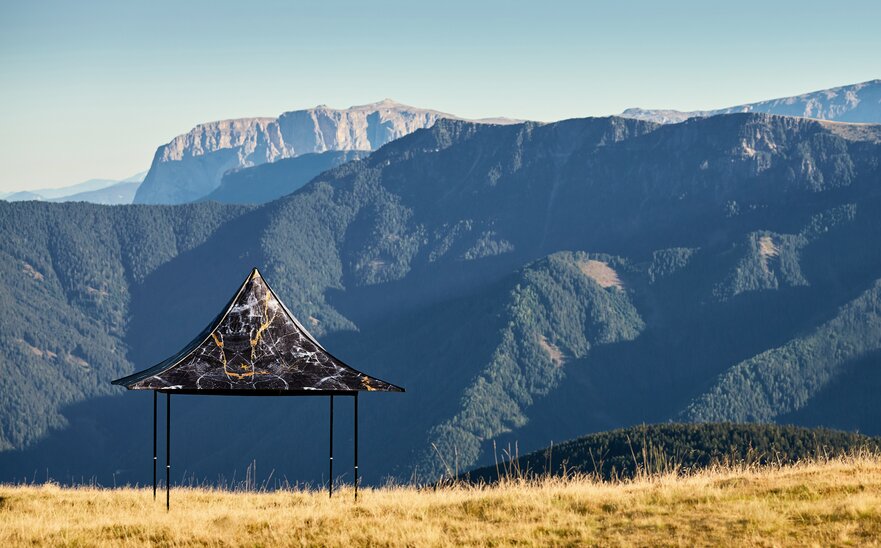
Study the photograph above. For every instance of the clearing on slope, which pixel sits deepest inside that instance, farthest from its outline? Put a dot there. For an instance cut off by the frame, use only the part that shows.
(600, 272)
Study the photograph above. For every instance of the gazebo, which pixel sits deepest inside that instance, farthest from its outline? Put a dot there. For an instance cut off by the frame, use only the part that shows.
(254, 347)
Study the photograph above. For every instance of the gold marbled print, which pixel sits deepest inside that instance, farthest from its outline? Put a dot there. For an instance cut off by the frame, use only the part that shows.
(255, 345)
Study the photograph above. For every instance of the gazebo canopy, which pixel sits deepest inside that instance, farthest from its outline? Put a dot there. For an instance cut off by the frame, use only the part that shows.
(255, 346)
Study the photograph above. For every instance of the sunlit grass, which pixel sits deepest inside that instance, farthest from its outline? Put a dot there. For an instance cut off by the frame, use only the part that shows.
(818, 503)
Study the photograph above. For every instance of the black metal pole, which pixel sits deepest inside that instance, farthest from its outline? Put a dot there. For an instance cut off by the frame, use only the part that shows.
(167, 451)
(357, 478)
(330, 476)
(154, 444)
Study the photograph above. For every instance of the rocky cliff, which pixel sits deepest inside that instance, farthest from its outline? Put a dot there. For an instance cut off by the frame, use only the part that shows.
(859, 103)
(192, 165)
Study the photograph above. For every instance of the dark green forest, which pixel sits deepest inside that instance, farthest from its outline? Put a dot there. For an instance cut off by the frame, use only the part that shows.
(524, 283)
(677, 448)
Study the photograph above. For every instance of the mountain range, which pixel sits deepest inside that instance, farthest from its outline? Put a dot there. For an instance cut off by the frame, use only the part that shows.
(193, 165)
(213, 151)
(99, 191)
(525, 283)
(854, 103)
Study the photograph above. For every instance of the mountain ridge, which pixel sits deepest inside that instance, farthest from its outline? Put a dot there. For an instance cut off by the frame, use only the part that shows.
(192, 165)
(78, 191)
(266, 182)
(855, 103)
(119, 193)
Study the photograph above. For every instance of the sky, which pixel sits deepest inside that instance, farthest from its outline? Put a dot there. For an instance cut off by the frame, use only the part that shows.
(91, 89)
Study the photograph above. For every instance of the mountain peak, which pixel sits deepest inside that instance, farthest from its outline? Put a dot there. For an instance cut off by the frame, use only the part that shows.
(385, 103)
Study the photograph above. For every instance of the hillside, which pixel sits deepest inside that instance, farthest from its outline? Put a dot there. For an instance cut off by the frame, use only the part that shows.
(266, 182)
(69, 272)
(856, 103)
(682, 448)
(830, 503)
(115, 194)
(192, 165)
(524, 283)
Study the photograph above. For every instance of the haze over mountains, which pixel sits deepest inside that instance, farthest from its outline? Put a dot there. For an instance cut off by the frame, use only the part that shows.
(115, 194)
(528, 283)
(192, 165)
(199, 160)
(100, 191)
(854, 103)
(202, 158)
(266, 182)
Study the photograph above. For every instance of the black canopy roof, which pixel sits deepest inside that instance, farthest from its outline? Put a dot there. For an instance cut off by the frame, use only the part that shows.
(255, 346)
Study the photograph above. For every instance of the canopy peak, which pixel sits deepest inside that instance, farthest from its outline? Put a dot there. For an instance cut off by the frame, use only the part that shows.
(255, 344)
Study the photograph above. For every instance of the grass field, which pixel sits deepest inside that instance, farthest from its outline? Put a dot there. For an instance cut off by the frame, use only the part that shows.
(830, 503)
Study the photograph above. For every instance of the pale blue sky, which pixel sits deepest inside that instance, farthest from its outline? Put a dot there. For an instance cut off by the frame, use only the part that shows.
(90, 89)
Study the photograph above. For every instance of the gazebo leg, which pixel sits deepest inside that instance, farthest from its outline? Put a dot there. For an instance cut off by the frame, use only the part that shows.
(154, 444)
(357, 478)
(330, 475)
(167, 451)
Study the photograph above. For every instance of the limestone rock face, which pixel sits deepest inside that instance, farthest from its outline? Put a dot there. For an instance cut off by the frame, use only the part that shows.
(860, 103)
(192, 165)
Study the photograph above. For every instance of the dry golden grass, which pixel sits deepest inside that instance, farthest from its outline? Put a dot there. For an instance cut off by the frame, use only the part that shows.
(831, 503)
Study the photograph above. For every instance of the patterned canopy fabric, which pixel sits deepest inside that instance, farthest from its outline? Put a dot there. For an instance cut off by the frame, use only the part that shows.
(254, 346)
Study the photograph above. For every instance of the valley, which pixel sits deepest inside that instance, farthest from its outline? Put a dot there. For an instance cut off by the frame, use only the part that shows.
(525, 283)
